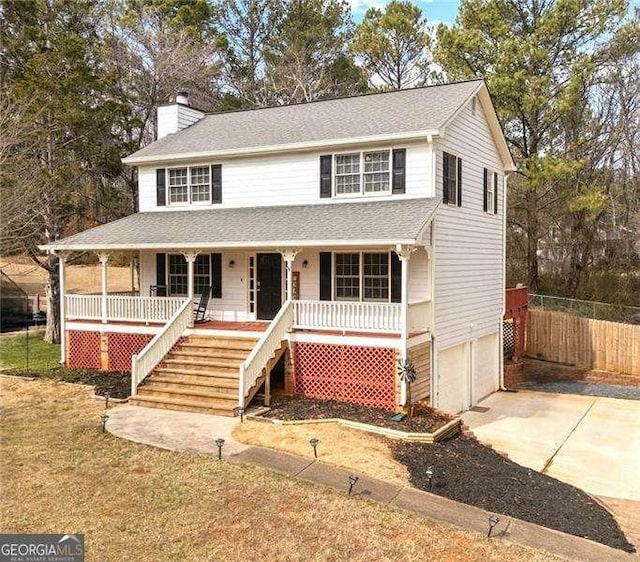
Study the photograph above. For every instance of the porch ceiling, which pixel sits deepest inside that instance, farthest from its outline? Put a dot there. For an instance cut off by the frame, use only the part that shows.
(371, 223)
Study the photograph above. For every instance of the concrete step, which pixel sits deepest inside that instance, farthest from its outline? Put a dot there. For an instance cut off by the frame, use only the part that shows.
(181, 387)
(181, 405)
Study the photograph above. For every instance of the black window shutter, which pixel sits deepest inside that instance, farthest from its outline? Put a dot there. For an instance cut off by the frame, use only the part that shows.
(325, 175)
(216, 183)
(495, 193)
(486, 190)
(396, 278)
(445, 177)
(459, 190)
(161, 275)
(216, 276)
(399, 165)
(161, 187)
(325, 276)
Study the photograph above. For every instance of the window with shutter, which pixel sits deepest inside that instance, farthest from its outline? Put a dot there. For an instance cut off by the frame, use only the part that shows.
(451, 179)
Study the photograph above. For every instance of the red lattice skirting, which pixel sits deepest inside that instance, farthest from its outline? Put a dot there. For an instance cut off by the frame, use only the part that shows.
(84, 350)
(124, 346)
(109, 352)
(361, 375)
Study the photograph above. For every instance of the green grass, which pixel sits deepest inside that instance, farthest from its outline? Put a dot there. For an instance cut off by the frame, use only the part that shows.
(42, 356)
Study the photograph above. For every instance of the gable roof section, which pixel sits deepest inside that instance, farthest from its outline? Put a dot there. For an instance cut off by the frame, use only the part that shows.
(402, 114)
(377, 223)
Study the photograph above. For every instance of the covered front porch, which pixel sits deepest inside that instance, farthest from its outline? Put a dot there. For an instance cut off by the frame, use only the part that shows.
(321, 296)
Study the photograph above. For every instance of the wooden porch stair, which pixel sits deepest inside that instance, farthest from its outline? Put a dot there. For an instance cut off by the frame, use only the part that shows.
(199, 375)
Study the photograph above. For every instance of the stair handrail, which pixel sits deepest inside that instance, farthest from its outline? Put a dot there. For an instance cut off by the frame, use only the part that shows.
(144, 362)
(267, 345)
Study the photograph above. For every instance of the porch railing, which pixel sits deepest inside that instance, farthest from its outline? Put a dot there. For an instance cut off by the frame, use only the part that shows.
(122, 308)
(143, 363)
(270, 341)
(342, 315)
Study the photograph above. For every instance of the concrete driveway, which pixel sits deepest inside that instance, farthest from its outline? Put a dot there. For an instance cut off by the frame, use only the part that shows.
(590, 442)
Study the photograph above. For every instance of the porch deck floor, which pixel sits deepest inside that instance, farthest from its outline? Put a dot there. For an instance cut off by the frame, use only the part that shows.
(233, 326)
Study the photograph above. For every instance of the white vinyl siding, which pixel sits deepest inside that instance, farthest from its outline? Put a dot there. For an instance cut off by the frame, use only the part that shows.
(286, 179)
(469, 257)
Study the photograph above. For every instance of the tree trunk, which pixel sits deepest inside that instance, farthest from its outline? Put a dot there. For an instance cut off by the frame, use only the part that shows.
(532, 240)
(52, 332)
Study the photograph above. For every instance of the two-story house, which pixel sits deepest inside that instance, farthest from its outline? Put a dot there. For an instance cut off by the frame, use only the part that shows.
(334, 237)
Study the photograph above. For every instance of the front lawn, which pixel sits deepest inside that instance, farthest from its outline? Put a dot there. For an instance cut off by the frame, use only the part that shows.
(61, 474)
(22, 355)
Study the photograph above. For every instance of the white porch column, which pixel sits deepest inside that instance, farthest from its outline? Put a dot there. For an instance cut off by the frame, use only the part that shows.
(190, 256)
(404, 253)
(289, 255)
(104, 258)
(62, 258)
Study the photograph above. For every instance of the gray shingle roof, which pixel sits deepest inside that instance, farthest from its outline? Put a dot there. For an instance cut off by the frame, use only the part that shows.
(390, 113)
(367, 223)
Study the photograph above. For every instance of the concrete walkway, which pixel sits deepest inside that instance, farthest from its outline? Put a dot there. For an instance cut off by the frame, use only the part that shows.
(590, 442)
(195, 433)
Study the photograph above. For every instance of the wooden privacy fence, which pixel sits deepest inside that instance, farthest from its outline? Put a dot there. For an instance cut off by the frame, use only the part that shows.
(586, 343)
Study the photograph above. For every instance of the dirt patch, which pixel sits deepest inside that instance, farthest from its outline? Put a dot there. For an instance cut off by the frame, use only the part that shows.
(467, 471)
(117, 385)
(424, 420)
(337, 445)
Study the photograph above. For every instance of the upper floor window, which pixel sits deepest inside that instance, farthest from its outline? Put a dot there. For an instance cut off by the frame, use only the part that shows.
(363, 173)
(451, 179)
(189, 185)
(490, 191)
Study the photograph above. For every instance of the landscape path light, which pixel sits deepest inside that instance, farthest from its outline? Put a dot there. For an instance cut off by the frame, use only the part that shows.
(103, 420)
(493, 521)
(314, 443)
(240, 411)
(352, 482)
(219, 444)
(106, 400)
(429, 476)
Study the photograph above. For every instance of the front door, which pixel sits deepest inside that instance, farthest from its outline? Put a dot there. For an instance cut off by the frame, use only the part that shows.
(269, 285)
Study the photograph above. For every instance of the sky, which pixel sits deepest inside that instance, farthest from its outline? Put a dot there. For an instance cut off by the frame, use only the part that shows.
(435, 11)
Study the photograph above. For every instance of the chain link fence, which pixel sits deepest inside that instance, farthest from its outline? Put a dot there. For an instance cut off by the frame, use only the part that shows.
(587, 309)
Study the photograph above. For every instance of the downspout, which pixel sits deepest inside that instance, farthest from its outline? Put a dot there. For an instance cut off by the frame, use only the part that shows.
(432, 266)
(504, 282)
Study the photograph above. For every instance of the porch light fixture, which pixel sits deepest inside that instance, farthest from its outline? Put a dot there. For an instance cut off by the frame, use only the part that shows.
(231, 264)
(429, 476)
(219, 444)
(493, 521)
(103, 421)
(352, 482)
(240, 412)
(305, 264)
(314, 443)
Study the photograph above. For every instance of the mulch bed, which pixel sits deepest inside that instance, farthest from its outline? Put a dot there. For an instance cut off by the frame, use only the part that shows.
(424, 420)
(466, 471)
(118, 385)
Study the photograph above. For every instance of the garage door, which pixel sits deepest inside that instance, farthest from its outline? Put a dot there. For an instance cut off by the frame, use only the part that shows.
(485, 363)
(453, 378)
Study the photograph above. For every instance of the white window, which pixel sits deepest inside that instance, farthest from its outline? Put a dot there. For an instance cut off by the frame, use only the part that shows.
(491, 192)
(178, 274)
(189, 185)
(376, 172)
(361, 173)
(362, 276)
(347, 173)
